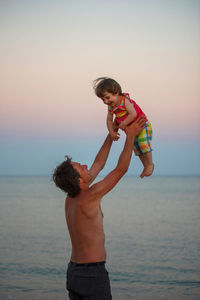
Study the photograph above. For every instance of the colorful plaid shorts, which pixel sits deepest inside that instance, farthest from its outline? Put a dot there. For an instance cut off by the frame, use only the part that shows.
(142, 142)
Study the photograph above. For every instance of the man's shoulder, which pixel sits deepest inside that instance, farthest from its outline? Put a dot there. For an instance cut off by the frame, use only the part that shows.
(85, 196)
(92, 193)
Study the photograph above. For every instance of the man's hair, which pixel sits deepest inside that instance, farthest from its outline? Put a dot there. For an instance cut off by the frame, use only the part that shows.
(105, 84)
(67, 178)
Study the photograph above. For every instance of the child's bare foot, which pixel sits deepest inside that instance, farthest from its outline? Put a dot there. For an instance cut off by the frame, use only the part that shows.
(148, 170)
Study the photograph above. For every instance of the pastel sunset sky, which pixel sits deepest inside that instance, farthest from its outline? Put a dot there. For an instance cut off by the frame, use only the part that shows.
(51, 51)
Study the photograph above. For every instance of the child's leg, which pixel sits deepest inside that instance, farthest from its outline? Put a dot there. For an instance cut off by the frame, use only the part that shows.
(142, 147)
(147, 162)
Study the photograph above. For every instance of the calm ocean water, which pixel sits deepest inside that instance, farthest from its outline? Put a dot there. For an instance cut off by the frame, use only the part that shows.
(152, 228)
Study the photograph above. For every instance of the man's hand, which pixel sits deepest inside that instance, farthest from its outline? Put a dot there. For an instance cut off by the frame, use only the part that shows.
(136, 127)
(114, 135)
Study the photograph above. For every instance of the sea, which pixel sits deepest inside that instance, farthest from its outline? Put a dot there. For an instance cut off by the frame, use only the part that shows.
(152, 229)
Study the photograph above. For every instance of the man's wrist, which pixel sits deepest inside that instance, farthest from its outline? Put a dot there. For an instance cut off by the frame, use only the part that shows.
(112, 132)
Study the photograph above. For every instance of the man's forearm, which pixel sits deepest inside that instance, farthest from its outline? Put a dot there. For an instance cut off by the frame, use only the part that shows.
(131, 132)
(103, 153)
(100, 158)
(125, 157)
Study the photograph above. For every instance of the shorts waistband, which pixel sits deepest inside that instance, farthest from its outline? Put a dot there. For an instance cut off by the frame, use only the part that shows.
(99, 263)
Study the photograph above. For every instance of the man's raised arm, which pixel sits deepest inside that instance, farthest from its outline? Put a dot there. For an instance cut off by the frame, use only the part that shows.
(104, 186)
(100, 158)
(102, 155)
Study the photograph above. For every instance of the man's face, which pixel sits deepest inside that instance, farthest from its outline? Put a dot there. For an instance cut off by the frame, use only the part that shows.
(82, 170)
(111, 99)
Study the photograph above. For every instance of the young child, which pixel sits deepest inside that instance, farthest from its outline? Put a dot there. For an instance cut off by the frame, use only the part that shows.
(126, 111)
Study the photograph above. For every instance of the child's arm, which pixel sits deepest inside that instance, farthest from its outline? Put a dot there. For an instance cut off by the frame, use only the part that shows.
(131, 114)
(114, 135)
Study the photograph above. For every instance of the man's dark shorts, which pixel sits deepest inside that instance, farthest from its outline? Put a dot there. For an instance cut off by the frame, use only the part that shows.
(88, 281)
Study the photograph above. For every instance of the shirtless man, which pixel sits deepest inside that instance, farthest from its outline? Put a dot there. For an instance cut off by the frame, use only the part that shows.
(87, 277)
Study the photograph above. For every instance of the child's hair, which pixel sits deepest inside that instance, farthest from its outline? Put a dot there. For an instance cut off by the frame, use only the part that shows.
(105, 84)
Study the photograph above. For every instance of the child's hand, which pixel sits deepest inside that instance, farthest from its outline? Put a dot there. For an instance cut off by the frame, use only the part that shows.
(114, 135)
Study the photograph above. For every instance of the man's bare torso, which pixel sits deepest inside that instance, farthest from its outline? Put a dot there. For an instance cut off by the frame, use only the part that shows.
(85, 223)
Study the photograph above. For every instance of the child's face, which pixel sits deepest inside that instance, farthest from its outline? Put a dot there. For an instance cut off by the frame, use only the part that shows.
(111, 99)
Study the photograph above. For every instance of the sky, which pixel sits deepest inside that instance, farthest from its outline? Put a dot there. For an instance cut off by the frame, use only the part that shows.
(51, 51)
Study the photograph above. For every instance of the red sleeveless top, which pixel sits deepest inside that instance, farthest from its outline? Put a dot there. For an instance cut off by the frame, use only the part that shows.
(121, 112)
